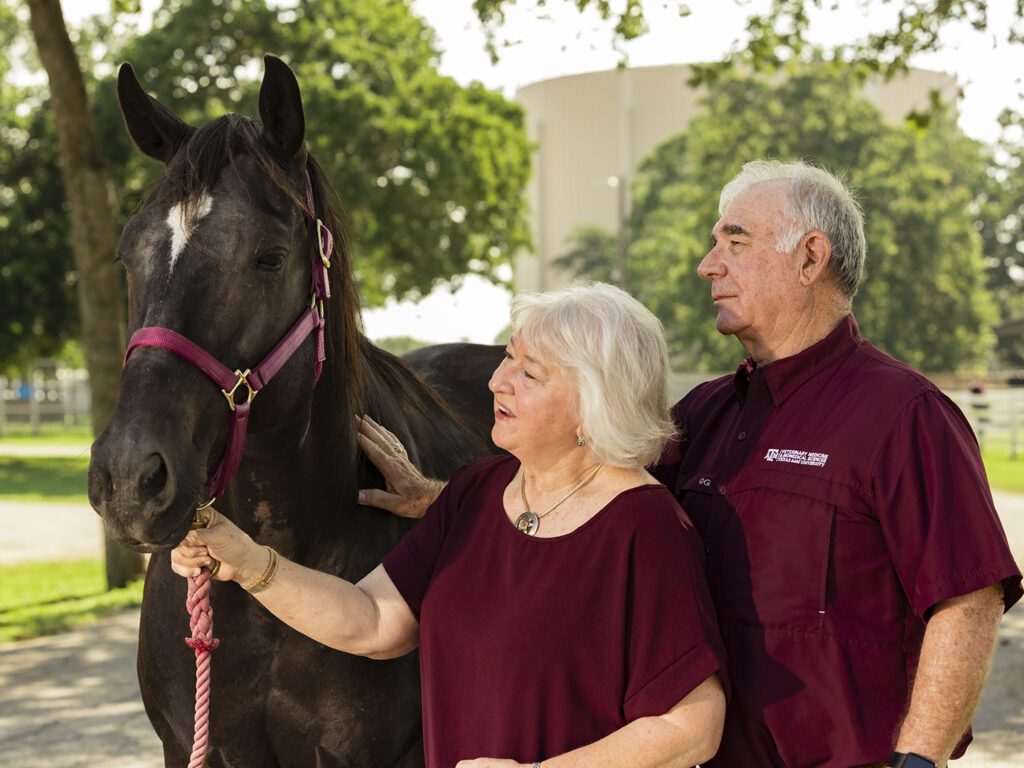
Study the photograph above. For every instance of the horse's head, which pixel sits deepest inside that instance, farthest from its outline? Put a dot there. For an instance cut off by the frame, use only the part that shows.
(221, 255)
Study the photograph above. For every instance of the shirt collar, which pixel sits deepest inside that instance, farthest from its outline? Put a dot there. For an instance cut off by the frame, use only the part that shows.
(786, 375)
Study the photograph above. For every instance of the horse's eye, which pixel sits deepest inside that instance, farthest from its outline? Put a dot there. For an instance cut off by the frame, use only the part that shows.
(271, 261)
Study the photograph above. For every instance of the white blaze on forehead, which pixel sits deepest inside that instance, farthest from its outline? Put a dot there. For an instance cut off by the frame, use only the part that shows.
(182, 220)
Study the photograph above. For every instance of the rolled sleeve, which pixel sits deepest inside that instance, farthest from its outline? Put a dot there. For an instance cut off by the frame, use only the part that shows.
(674, 638)
(936, 509)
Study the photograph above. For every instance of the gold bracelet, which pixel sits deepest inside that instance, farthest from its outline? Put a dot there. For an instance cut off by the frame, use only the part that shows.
(264, 581)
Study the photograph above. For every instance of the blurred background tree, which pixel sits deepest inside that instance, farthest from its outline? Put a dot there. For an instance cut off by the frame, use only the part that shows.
(933, 202)
(89, 213)
(431, 173)
(593, 254)
(780, 35)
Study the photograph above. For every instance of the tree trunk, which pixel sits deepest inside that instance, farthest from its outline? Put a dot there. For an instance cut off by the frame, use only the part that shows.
(93, 234)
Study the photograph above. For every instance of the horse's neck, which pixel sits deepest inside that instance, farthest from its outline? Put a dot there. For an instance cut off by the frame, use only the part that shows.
(297, 482)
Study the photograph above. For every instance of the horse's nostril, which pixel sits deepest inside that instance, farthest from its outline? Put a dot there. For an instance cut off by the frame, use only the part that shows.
(101, 485)
(152, 477)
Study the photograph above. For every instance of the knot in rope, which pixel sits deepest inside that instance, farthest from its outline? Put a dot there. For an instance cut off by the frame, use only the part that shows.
(200, 613)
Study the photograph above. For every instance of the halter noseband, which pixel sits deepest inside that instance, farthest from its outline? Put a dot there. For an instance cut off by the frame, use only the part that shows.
(254, 379)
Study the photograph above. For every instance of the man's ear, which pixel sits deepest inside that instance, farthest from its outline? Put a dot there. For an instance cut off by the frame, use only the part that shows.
(816, 253)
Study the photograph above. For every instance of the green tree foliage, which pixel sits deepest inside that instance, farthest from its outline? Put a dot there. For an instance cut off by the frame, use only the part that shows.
(37, 275)
(1000, 220)
(431, 173)
(779, 36)
(629, 22)
(924, 299)
(399, 345)
(594, 253)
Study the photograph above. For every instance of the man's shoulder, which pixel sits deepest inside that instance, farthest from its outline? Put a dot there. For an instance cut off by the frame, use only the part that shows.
(885, 374)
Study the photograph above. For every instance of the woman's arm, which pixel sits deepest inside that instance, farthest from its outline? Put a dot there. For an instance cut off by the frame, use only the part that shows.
(368, 619)
(684, 736)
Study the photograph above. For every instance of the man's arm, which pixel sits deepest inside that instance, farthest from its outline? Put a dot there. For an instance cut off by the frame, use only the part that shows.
(408, 493)
(955, 657)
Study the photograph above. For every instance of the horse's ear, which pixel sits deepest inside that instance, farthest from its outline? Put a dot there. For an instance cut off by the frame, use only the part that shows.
(156, 130)
(284, 125)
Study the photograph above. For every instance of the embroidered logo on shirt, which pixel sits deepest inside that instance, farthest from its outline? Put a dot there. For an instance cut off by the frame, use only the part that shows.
(788, 456)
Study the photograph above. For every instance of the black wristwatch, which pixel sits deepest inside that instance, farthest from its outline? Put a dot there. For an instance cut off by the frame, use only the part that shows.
(909, 760)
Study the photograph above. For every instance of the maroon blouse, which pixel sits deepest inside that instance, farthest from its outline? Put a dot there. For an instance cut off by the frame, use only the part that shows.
(531, 647)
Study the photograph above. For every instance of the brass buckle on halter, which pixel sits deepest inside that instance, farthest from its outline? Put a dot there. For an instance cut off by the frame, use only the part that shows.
(316, 304)
(241, 380)
(320, 243)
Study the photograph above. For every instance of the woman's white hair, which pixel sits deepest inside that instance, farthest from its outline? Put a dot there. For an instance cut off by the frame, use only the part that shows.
(613, 350)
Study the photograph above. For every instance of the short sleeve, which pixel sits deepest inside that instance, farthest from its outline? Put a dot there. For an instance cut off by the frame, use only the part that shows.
(936, 510)
(673, 637)
(411, 563)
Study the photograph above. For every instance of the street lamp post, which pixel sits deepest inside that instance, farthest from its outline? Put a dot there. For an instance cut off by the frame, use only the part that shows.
(619, 184)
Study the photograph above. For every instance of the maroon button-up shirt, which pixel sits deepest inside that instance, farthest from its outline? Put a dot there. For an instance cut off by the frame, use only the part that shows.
(840, 496)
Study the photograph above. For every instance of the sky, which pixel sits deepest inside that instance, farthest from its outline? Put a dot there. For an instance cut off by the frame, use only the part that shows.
(556, 40)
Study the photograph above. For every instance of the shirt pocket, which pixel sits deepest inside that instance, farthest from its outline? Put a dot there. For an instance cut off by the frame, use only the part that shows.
(773, 557)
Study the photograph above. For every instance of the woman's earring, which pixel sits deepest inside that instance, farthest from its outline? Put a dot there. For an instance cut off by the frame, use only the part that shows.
(582, 441)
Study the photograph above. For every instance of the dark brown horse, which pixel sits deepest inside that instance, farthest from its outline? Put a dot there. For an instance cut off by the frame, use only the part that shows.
(220, 256)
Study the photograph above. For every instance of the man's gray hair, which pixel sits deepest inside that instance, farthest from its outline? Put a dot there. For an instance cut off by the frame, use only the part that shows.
(816, 200)
(613, 350)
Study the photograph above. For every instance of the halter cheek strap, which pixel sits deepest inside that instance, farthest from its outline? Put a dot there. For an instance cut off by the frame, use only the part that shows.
(252, 380)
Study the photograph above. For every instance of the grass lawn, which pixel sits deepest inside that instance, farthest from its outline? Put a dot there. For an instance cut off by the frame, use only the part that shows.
(45, 598)
(1005, 474)
(44, 478)
(49, 434)
(63, 478)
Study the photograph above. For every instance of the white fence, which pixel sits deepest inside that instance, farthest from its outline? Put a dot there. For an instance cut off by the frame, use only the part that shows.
(58, 395)
(52, 395)
(997, 416)
(996, 412)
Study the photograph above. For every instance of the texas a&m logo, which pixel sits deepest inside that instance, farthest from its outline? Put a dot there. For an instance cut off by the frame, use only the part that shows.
(789, 456)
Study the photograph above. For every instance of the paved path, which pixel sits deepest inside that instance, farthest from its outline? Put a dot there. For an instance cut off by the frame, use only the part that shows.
(46, 531)
(42, 449)
(72, 700)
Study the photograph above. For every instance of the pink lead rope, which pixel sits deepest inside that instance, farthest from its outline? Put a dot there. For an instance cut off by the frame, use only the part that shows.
(311, 321)
(201, 621)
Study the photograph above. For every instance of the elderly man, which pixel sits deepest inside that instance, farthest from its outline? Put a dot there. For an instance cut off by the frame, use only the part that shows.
(855, 558)
(854, 555)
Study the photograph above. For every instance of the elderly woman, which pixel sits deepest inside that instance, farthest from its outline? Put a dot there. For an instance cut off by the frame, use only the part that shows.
(558, 603)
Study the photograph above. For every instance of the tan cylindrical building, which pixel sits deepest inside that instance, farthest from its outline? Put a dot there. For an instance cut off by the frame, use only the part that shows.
(592, 131)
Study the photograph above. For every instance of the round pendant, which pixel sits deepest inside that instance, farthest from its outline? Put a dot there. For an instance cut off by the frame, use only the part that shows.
(528, 523)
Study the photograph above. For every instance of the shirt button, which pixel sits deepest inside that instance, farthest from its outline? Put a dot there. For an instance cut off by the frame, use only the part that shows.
(707, 549)
(741, 436)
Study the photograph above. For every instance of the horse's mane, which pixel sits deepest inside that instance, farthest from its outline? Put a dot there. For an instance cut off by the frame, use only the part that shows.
(218, 145)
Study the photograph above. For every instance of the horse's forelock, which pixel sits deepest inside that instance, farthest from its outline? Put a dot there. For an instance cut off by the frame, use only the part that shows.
(214, 147)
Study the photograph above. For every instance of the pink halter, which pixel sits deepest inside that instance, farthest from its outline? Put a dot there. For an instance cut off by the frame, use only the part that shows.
(254, 379)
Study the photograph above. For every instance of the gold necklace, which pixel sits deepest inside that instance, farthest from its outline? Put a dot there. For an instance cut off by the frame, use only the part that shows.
(529, 522)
